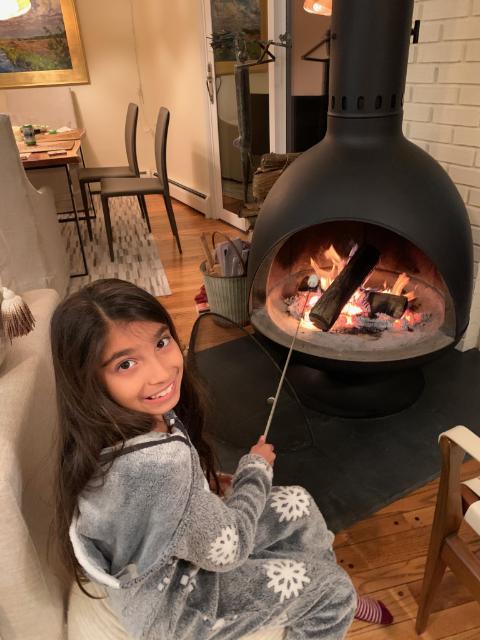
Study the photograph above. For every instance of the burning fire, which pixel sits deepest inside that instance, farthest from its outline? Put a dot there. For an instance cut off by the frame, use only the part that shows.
(359, 315)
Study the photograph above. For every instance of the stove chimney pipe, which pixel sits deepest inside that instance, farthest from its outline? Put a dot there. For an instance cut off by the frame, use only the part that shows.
(369, 56)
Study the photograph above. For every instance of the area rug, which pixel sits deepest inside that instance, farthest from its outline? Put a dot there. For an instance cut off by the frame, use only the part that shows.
(136, 254)
(353, 467)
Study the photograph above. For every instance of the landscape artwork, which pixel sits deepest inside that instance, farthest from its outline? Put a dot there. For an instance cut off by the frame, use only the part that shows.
(248, 18)
(42, 46)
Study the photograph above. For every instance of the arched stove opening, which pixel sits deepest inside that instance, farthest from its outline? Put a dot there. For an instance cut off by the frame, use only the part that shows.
(402, 310)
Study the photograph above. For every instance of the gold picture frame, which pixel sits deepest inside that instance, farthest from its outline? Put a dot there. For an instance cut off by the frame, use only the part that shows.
(40, 47)
(223, 68)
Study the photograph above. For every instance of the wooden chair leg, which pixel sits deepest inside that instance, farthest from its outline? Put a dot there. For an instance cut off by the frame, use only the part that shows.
(171, 218)
(108, 225)
(446, 522)
(434, 572)
(143, 206)
(85, 210)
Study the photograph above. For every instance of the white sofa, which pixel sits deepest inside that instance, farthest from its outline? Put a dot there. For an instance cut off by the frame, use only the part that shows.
(32, 251)
(32, 601)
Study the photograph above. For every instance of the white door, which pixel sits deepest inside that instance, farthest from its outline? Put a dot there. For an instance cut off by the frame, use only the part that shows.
(271, 80)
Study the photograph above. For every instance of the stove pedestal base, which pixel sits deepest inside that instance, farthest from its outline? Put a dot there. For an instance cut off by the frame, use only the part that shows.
(356, 395)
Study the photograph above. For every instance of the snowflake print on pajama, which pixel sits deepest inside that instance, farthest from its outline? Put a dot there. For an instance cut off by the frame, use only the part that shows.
(287, 577)
(293, 571)
(291, 503)
(224, 548)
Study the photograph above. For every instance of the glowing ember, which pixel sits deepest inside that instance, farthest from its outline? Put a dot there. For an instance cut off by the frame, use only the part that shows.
(357, 315)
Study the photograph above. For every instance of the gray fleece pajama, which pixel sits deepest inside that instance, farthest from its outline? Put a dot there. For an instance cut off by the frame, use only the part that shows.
(180, 563)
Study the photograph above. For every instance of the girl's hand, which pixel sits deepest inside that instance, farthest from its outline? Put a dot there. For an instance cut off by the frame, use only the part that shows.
(265, 450)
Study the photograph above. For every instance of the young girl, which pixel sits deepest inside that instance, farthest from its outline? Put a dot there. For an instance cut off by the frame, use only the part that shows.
(135, 510)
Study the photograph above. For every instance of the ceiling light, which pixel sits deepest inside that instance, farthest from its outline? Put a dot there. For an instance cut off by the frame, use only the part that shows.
(13, 8)
(322, 8)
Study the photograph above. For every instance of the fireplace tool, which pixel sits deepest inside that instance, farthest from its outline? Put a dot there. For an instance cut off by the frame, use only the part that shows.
(238, 401)
(312, 285)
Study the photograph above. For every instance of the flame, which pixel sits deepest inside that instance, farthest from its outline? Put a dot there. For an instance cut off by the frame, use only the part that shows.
(321, 273)
(400, 284)
(338, 262)
(307, 323)
(356, 306)
(352, 309)
(331, 254)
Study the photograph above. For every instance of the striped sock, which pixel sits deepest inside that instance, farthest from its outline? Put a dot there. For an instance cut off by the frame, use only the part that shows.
(372, 611)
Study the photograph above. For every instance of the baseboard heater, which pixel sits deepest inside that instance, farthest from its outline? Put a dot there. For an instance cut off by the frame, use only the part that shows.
(189, 189)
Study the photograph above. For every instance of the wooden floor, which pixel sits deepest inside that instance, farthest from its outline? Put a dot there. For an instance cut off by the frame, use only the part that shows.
(385, 554)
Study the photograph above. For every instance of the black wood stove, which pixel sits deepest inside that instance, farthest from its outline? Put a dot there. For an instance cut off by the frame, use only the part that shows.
(377, 221)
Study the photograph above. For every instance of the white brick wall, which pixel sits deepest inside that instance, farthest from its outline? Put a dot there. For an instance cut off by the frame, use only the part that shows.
(442, 105)
(462, 29)
(438, 9)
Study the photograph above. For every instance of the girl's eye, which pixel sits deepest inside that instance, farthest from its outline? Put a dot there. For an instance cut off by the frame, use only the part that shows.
(125, 365)
(163, 342)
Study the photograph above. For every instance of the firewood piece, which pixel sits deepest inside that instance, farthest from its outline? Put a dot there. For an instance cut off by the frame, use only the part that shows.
(206, 251)
(272, 161)
(325, 312)
(388, 303)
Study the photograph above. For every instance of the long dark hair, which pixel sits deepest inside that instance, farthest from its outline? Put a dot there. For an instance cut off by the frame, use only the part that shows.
(89, 419)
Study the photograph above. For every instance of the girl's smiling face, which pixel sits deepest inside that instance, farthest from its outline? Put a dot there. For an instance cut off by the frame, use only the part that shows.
(142, 368)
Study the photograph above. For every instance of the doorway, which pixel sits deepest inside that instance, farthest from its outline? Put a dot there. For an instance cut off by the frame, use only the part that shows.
(235, 102)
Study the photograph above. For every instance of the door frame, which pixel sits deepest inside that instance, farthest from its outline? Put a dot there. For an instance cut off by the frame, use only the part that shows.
(277, 77)
(277, 21)
(216, 208)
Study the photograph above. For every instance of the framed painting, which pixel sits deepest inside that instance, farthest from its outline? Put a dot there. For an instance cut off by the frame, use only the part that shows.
(234, 16)
(42, 47)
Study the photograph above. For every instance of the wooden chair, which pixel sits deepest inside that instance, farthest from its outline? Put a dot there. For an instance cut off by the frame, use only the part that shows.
(87, 175)
(456, 502)
(140, 187)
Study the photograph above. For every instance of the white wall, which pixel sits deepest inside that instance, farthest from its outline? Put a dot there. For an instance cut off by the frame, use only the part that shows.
(171, 50)
(307, 30)
(108, 39)
(442, 104)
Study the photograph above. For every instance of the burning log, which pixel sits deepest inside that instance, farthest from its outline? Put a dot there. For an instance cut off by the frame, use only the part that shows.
(393, 305)
(325, 312)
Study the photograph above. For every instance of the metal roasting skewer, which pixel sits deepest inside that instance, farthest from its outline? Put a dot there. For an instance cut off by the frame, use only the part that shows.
(282, 377)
